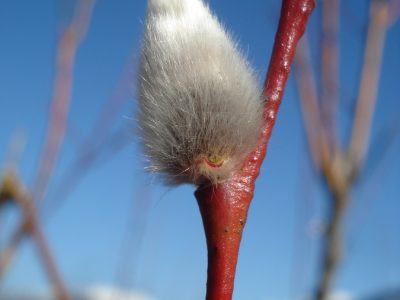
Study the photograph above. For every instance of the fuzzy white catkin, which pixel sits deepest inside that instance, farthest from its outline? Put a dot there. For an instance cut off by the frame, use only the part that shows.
(199, 101)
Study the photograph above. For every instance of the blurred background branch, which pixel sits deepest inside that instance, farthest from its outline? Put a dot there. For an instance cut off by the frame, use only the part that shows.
(340, 167)
(12, 190)
(68, 45)
(367, 94)
(101, 143)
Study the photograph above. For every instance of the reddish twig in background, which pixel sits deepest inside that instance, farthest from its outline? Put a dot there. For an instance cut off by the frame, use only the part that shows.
(111, 109)
(68, 45)
(367, 95)
(30, 225)
(318, 144)
(330, 68)
(83, 164)
(7, 255)
(34, 228)
(94, 146)
(224, 207)
(345, 167)
(12, 190)
(101, 140)
(339, 166)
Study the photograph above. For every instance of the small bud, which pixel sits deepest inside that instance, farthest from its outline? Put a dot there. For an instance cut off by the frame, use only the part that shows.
(200, 105)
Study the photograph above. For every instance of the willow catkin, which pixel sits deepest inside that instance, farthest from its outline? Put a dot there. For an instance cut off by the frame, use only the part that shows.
(200, 106)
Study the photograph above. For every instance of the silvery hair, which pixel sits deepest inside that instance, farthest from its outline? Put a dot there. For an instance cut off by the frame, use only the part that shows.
(200, 110)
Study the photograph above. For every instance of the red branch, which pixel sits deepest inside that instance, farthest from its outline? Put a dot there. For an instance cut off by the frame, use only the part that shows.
(224, 207)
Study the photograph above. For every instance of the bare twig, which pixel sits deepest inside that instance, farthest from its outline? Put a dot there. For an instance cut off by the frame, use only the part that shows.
(85, 162)
(367, 94)
(11, 189)
(101, 141)
(7, 255)
(310, 108)
(114, 104)
(340, 168)
(329, 69)
(67, 47)
(332, 247)
(48, 262)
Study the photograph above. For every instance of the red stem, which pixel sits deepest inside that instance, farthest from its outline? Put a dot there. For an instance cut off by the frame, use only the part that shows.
(224, 207)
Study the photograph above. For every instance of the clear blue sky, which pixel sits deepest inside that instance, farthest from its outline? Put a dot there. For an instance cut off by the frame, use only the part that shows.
(279, 248)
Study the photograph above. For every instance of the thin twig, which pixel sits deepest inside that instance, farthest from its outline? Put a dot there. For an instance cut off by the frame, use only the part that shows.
(67, 47)
(332, 247)
(340, 168)
(309, 106)
(330, 69)
(48, 261)
(367, 95)
(85, 162)
(101, 141)
(111, 108)
(13, 190)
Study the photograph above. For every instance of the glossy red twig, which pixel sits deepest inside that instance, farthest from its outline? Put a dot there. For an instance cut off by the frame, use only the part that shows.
(224, 207)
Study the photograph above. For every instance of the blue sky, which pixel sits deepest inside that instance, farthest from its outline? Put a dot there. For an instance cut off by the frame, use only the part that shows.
(280, 245)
